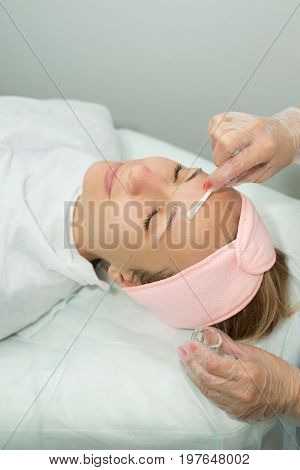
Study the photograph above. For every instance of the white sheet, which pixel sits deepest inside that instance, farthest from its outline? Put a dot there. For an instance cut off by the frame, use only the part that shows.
(44, 155)
(118, 384)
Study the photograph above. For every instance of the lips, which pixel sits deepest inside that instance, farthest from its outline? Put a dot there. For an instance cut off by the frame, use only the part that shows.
(110, 177)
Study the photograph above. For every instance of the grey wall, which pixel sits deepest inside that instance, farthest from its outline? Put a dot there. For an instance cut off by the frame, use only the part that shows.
(163, 67)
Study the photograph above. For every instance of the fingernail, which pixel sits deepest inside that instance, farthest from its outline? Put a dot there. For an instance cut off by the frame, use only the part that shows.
(192, 347)
(207, 185)
(181, 351)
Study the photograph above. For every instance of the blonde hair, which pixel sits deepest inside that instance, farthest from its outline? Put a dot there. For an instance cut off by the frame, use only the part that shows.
(270, 304)
(261, 315)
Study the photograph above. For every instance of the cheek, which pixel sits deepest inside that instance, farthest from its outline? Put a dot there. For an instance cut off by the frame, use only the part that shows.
(126, 227)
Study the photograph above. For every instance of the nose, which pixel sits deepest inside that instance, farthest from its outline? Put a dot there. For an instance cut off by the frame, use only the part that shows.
(143, 181)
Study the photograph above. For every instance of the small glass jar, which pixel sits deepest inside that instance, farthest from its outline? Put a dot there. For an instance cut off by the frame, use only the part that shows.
(209, 337)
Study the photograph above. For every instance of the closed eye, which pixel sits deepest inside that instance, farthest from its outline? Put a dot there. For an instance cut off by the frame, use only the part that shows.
(178, 168)
(149, 217)
(196, 173)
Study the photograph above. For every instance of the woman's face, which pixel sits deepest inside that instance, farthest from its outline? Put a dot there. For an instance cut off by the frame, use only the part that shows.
(142, 223)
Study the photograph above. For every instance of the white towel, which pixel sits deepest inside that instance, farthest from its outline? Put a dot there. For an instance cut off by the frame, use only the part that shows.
(46, 147)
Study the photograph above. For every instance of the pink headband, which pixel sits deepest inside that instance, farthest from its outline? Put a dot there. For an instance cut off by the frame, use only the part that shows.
(217, 287)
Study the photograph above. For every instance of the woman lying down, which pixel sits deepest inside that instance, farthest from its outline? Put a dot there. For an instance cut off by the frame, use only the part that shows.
(220, 268)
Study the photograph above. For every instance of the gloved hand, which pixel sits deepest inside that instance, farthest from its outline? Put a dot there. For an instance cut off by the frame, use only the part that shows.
(249, 148)
(252, 385)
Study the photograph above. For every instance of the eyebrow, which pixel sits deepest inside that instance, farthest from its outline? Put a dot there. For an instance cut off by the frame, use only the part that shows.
(196, 173)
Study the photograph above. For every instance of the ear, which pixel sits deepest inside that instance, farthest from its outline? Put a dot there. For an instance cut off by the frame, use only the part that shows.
(123, 279)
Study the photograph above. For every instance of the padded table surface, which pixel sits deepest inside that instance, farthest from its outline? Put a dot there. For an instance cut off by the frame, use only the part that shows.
(100, 372)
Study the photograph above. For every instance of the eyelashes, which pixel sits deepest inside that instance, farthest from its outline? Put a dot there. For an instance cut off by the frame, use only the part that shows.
(178, 168)
(149, 217)
(155, 210)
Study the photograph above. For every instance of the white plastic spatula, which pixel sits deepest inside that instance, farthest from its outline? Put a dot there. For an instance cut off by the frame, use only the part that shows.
(193, 211)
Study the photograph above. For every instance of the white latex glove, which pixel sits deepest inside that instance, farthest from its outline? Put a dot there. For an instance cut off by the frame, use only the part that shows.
(251, 385)
(248, 148)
